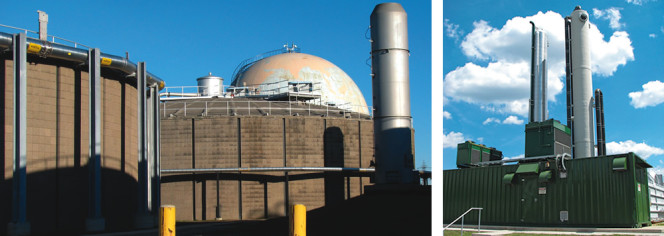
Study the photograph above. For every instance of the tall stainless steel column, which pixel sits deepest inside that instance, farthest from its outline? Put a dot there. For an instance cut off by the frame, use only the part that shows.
(582, 87)
(538, 81)
(393, 136)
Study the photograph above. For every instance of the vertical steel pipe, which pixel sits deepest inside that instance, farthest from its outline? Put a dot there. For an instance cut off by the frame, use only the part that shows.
(157, 149)
(95, 222)
(19, 224)
(143, 218)
(538, 78)
(568, 77)
(391, 95)
(599, 116)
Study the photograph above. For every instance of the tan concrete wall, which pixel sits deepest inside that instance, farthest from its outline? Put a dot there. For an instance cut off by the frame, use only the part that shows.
(213, 143)
(57, 147)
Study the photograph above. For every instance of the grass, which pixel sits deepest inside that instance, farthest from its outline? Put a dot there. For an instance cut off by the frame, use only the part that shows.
(471, 232)
(458, 232)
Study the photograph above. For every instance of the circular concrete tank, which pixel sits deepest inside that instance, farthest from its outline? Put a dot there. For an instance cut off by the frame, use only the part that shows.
(57, 140)
(336, 87)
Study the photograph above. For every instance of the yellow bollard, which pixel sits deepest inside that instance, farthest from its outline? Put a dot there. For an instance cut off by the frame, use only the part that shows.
(167, 220)
(298, 220)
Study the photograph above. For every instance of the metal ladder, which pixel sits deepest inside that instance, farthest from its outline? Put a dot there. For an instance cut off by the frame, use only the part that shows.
(479, 218)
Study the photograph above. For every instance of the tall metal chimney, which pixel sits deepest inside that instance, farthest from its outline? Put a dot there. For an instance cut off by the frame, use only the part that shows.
(582, 87)
(393, 134)
(538, 78)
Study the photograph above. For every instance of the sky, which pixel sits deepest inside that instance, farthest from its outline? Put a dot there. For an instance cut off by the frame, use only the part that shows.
(183, 41)
(486, 72)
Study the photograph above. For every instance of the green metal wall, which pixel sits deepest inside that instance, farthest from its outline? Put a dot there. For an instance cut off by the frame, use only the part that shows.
(593, 194)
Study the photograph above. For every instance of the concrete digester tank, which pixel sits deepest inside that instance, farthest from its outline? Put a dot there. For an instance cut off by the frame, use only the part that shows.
(75, 139)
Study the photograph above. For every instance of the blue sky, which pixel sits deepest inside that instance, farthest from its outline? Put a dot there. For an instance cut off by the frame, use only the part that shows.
(183, 41)
(485, 53)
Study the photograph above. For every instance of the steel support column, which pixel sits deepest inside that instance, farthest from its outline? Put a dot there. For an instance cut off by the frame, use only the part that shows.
(94, 222)
(19, 224)
(153, 128)
(143, 217)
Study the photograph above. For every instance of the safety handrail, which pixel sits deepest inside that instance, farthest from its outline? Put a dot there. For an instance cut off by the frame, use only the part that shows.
(479, 218)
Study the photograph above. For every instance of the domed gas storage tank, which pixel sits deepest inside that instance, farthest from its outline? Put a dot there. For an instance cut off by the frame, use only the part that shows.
(334, 85)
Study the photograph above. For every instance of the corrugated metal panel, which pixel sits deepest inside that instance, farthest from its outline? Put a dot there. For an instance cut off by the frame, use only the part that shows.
(593, 194)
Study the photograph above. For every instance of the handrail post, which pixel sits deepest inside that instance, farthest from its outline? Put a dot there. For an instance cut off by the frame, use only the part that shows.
(462, 217)
(479, 220)
(185, 109)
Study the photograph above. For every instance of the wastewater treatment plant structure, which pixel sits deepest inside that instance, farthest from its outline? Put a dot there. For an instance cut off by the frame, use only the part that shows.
(561, 181)
(95, 143)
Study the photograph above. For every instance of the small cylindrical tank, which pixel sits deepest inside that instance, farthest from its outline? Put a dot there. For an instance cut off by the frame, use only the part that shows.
(582, 87)
(210, 85)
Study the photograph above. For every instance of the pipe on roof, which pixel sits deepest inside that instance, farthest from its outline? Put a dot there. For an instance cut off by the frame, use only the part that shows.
(63, 52)
(266, 169)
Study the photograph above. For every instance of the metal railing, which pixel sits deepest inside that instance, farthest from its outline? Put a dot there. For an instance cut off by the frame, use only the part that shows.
(76, 44)
(248, 107)
(282, 87)
(479, 218)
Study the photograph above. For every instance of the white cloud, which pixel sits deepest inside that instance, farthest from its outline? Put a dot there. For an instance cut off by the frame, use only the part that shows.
(520, 156)
(652, 35)
(452, 30)
(503, 85)
(491, 120)
(612, 14)
(451, 139)
(637, 2)
(641, 149)
(652, 95)
(510, 120)
(513, 120)
(447, 115)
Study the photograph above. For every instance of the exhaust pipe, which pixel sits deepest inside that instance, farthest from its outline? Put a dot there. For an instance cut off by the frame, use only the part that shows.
(538, 78)
(599, 116)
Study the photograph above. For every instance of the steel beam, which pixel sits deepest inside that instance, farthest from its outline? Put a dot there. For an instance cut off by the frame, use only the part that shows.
(94, 222)
(19, 224)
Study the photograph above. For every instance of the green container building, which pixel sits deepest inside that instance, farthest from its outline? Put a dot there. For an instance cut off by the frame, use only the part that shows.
(548, 137)
(470, 153)
(606, 191)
